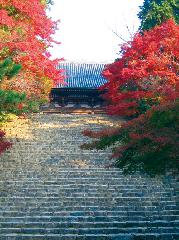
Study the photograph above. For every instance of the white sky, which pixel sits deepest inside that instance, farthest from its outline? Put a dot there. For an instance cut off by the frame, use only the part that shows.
(85, 29)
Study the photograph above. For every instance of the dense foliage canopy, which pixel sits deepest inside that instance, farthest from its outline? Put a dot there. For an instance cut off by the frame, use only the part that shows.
(155, 12)
(144, 84)
(146, 74)
(148, 143)
(25, 35)
(26, 71)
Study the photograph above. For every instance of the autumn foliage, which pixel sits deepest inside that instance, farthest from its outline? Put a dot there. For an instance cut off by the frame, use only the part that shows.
(144, 85)
(4, 145)
(26, 71)
(25, 34)
(148, 143)
(147, 72)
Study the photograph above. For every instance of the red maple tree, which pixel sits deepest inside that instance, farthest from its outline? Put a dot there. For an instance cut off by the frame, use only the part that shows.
(25, 34)
(147, 73)
(144, 84)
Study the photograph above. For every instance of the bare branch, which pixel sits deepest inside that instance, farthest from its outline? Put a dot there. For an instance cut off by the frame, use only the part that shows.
(118, 35)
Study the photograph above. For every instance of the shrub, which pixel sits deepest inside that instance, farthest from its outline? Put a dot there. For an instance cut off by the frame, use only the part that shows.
(4, 145)
(144, 85)
(11, 101)
(149, 143)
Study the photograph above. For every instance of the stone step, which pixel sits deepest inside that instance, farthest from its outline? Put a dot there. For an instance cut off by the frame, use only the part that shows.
(77, 202)
(103, 197)
(47, 218)
(85, 195)
(108, 177)
(82, 181)
(40, 184)
(43, 181)
(59, 198)
(102, 180)
(36, 188)
(61, 208)
(93, 170)
(126, 236)
(79, 231)
(91, 207)
(83, 171)
(45, 205)
(91, 202)
(88, 171)
(64, 224)
(95, 175)
(120, 215)
(82, 189)
(46, 194)
(83, 212)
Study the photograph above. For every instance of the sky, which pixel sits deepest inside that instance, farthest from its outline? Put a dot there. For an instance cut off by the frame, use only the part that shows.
(86, 29)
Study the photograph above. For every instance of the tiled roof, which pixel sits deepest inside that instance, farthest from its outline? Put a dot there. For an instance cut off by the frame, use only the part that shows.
(83, 75)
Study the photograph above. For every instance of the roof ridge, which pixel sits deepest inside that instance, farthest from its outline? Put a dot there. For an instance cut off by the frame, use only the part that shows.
(75, 62)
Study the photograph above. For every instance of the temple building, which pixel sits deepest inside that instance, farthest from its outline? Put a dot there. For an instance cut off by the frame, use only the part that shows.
(82, 84)
(83, 75)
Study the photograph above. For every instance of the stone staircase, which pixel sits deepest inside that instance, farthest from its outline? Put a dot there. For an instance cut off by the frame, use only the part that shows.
(50, 189)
